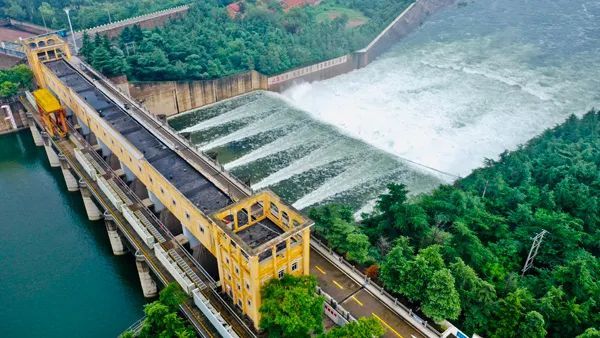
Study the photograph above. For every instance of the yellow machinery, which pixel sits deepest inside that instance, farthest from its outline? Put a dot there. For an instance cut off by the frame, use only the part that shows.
(51, 112)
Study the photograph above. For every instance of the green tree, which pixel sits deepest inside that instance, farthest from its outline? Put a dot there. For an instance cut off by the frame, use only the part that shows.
(291, 308)
(532, 325)
(358, 248)
(441, 298)
(364, 327)
(590, 333)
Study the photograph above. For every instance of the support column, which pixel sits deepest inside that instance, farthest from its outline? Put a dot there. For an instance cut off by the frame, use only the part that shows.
(306, 251)
(52, 156)
(92, 210)
(158, 206)
(70, 180)
(37, 137)
(116, 242)
(148, 284)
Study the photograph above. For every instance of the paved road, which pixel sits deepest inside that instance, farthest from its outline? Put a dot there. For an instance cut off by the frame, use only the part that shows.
(357, 300)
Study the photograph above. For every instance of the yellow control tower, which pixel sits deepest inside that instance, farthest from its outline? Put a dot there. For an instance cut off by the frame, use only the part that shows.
(51, 112)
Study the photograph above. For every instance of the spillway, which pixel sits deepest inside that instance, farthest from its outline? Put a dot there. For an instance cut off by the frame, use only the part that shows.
(474, 80)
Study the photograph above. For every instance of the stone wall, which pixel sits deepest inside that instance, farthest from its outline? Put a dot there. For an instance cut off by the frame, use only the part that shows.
(172, 97)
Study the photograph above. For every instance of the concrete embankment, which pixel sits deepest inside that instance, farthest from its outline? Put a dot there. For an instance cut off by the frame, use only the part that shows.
(173, 97)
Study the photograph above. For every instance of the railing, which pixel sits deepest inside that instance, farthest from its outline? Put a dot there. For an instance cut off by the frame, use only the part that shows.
(208, 280)
(218, 169)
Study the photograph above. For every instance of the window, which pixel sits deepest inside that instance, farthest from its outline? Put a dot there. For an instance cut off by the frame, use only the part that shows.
(239, 287)
(237, 270)
(249, 303)
(201, 229)
(281, 273)
(174, 203)
(247, 286)
(229, 277)
(227, 260)
(294, 266)
(162, 191)
(187, 216)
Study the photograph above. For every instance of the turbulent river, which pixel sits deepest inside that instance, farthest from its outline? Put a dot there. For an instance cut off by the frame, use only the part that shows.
(474, 80)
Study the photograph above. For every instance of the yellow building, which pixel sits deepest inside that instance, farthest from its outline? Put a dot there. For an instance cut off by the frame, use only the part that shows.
(254, 237)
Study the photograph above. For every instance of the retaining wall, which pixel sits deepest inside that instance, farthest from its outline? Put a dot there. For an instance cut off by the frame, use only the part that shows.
(172, 97)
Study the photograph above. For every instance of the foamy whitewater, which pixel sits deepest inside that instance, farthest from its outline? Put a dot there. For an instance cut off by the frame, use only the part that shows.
(474, 80)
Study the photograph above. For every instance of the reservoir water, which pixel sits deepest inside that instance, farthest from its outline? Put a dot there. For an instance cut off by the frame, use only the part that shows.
(58, 275)
(474, 80)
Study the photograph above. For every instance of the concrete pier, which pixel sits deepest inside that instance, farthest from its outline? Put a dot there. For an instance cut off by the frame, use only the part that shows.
(70, 179)
(91, 208)
(116, 242)
(52, 156)
(35, 133)
(148, 284)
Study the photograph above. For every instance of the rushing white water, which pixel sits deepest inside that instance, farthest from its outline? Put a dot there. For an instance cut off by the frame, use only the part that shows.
(473, 81)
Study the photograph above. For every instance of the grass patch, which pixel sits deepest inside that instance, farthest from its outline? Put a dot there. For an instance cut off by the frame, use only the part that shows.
(330, 11)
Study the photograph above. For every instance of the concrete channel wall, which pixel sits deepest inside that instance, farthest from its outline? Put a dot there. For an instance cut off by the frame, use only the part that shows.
(172, 97)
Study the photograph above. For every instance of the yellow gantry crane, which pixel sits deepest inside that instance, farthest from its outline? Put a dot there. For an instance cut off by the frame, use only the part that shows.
(51, 112)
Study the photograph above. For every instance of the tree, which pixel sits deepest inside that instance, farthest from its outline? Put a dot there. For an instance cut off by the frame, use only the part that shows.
(291, 308)
(172, 296)
(46, 11)
(441, 299)
(590, 333)
(532, 326)
(358, 248)
(364, 327)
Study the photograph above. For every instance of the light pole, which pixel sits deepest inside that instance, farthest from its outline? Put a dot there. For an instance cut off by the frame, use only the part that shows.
(71, 27)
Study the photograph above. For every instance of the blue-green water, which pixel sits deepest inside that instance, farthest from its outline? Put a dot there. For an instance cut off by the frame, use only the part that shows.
(58, 275)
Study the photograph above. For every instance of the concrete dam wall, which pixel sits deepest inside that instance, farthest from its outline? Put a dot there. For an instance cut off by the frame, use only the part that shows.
(173, 97)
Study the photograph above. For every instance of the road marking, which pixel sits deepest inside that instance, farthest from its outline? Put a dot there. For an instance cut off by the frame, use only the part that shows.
(387, 325)
(338, 285)
(321, 270)
(357, 301)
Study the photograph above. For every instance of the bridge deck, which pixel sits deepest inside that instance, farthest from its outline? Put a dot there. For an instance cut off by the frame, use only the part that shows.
(191, 183)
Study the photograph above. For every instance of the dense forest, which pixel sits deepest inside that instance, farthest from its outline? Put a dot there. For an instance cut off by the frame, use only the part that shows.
(15, 79)
(207, 43)
(84, 13)
(458, 251)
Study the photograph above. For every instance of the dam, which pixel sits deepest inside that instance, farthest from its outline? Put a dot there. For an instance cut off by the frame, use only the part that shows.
(474, 80)
(184, 218)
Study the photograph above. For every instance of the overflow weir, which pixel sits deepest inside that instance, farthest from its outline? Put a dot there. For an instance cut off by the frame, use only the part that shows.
(186, 218)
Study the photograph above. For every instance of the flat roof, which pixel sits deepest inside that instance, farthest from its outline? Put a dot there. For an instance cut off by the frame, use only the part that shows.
(191, 183)
(260, 233)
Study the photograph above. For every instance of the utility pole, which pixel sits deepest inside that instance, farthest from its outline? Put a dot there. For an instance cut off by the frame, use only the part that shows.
(109, 18)
(67, 10)
(535, 245)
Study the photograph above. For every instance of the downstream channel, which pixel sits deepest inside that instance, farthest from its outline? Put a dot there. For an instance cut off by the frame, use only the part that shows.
(474, 80)
(58, 274)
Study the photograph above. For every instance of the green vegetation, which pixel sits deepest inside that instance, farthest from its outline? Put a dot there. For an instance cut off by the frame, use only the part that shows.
(458, 251)
(330, 11)
(84, 13)
(291, 307)
(162, 319)
(207, 43)
(365, 327)
(15, 79)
